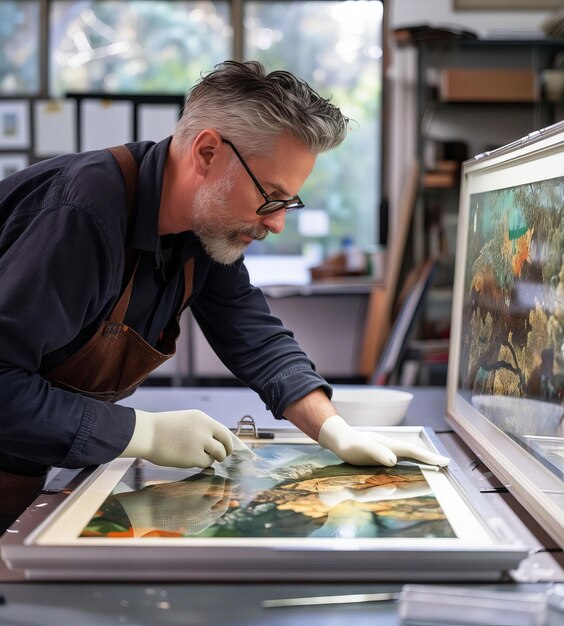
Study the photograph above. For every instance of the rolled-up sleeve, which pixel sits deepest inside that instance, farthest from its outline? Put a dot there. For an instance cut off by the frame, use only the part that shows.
(252, 343)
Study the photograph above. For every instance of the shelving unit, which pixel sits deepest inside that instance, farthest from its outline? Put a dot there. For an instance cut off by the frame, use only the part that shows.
(473, 95)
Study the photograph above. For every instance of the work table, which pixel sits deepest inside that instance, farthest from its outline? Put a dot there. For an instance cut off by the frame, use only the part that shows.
(229, 604)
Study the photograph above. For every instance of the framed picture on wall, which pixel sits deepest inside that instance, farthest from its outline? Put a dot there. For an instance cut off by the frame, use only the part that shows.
(512, 5)
(11, 163)
(55, 127)
(14, 124)
(105, 122)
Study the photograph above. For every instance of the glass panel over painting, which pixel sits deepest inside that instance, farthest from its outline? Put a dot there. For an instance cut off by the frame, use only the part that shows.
(287, 491)
(147, 46)
(337, 48)
(19, 47)
(512, 348)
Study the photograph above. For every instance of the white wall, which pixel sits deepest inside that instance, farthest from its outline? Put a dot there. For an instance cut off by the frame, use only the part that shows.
(401, 72)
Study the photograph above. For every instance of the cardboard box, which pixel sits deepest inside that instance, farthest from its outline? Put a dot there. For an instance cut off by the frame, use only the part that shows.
(484, 85)
(444, 180)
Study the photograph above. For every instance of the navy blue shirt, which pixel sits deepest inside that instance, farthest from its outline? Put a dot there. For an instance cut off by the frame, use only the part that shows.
(62, 239)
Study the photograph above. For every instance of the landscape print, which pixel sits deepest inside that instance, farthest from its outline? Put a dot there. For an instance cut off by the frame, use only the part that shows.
(288, 491)
(513, 310)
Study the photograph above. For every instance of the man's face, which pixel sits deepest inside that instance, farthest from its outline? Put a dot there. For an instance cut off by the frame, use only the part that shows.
(224, 210)
(224, 237)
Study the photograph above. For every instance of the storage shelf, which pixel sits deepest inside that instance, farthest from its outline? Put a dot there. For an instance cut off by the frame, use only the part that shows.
(476, 125)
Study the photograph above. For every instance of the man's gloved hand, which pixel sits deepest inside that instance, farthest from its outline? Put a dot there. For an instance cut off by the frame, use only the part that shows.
(179, 439)
(365, 448)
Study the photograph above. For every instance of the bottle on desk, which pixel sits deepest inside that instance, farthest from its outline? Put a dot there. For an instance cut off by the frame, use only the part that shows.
(355, 259)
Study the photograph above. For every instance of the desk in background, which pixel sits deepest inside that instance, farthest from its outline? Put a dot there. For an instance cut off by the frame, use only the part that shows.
(327, 319)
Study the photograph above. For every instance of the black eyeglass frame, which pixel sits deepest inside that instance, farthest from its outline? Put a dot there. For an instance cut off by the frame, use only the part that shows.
(270, 206)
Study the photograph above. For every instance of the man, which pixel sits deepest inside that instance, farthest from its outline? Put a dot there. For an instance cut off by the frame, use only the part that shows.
(101, 251)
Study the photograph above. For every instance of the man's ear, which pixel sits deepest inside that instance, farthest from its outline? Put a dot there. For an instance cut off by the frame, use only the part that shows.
(205, 150)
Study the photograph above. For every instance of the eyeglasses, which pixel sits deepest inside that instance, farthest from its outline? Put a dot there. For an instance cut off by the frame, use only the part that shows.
(270, 206)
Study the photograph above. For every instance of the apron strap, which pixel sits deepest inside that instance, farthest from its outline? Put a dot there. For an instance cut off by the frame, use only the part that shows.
(129, 170)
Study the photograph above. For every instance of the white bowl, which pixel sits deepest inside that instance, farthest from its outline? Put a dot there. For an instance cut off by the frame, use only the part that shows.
(371, 407)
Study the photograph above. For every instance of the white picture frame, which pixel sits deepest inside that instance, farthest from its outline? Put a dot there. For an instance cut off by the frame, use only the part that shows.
(104, 123)
(55, 127)
(12, 163)
(534, 159)
(14, 124)
(483, 546)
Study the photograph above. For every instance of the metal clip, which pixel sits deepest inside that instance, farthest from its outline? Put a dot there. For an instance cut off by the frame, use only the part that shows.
(246, 427)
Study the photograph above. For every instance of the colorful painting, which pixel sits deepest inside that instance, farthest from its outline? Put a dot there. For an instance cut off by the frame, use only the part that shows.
(513, 313)
(288, 490)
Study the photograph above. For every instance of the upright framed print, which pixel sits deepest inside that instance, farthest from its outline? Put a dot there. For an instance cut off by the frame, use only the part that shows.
(294, 512)
(14, 124)
(506, 366)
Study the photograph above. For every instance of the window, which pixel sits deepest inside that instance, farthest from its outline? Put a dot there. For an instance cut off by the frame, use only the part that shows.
(19, 48)
(337, 48)
(161, 47)
(146, 46)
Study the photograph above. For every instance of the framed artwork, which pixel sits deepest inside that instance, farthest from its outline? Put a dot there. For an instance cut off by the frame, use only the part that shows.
(511, 5)
(506, 369)
(55, 127)
(12, 163)
(14, 124)
(105, 122)
(111, 119)
(295, 511)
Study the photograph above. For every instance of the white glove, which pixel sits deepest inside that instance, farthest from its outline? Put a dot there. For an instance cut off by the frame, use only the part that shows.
(367, 448)
(179, 439)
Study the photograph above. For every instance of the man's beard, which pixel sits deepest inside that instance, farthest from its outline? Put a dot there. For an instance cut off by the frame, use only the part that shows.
(214, 226)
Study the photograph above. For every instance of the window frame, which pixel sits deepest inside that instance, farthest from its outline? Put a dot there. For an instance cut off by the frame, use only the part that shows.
(237, 15)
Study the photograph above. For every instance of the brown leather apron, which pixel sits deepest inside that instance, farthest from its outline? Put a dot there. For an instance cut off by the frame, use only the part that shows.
(114, 361)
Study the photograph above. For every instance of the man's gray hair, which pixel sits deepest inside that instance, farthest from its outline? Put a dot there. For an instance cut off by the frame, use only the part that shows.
(252, 108)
